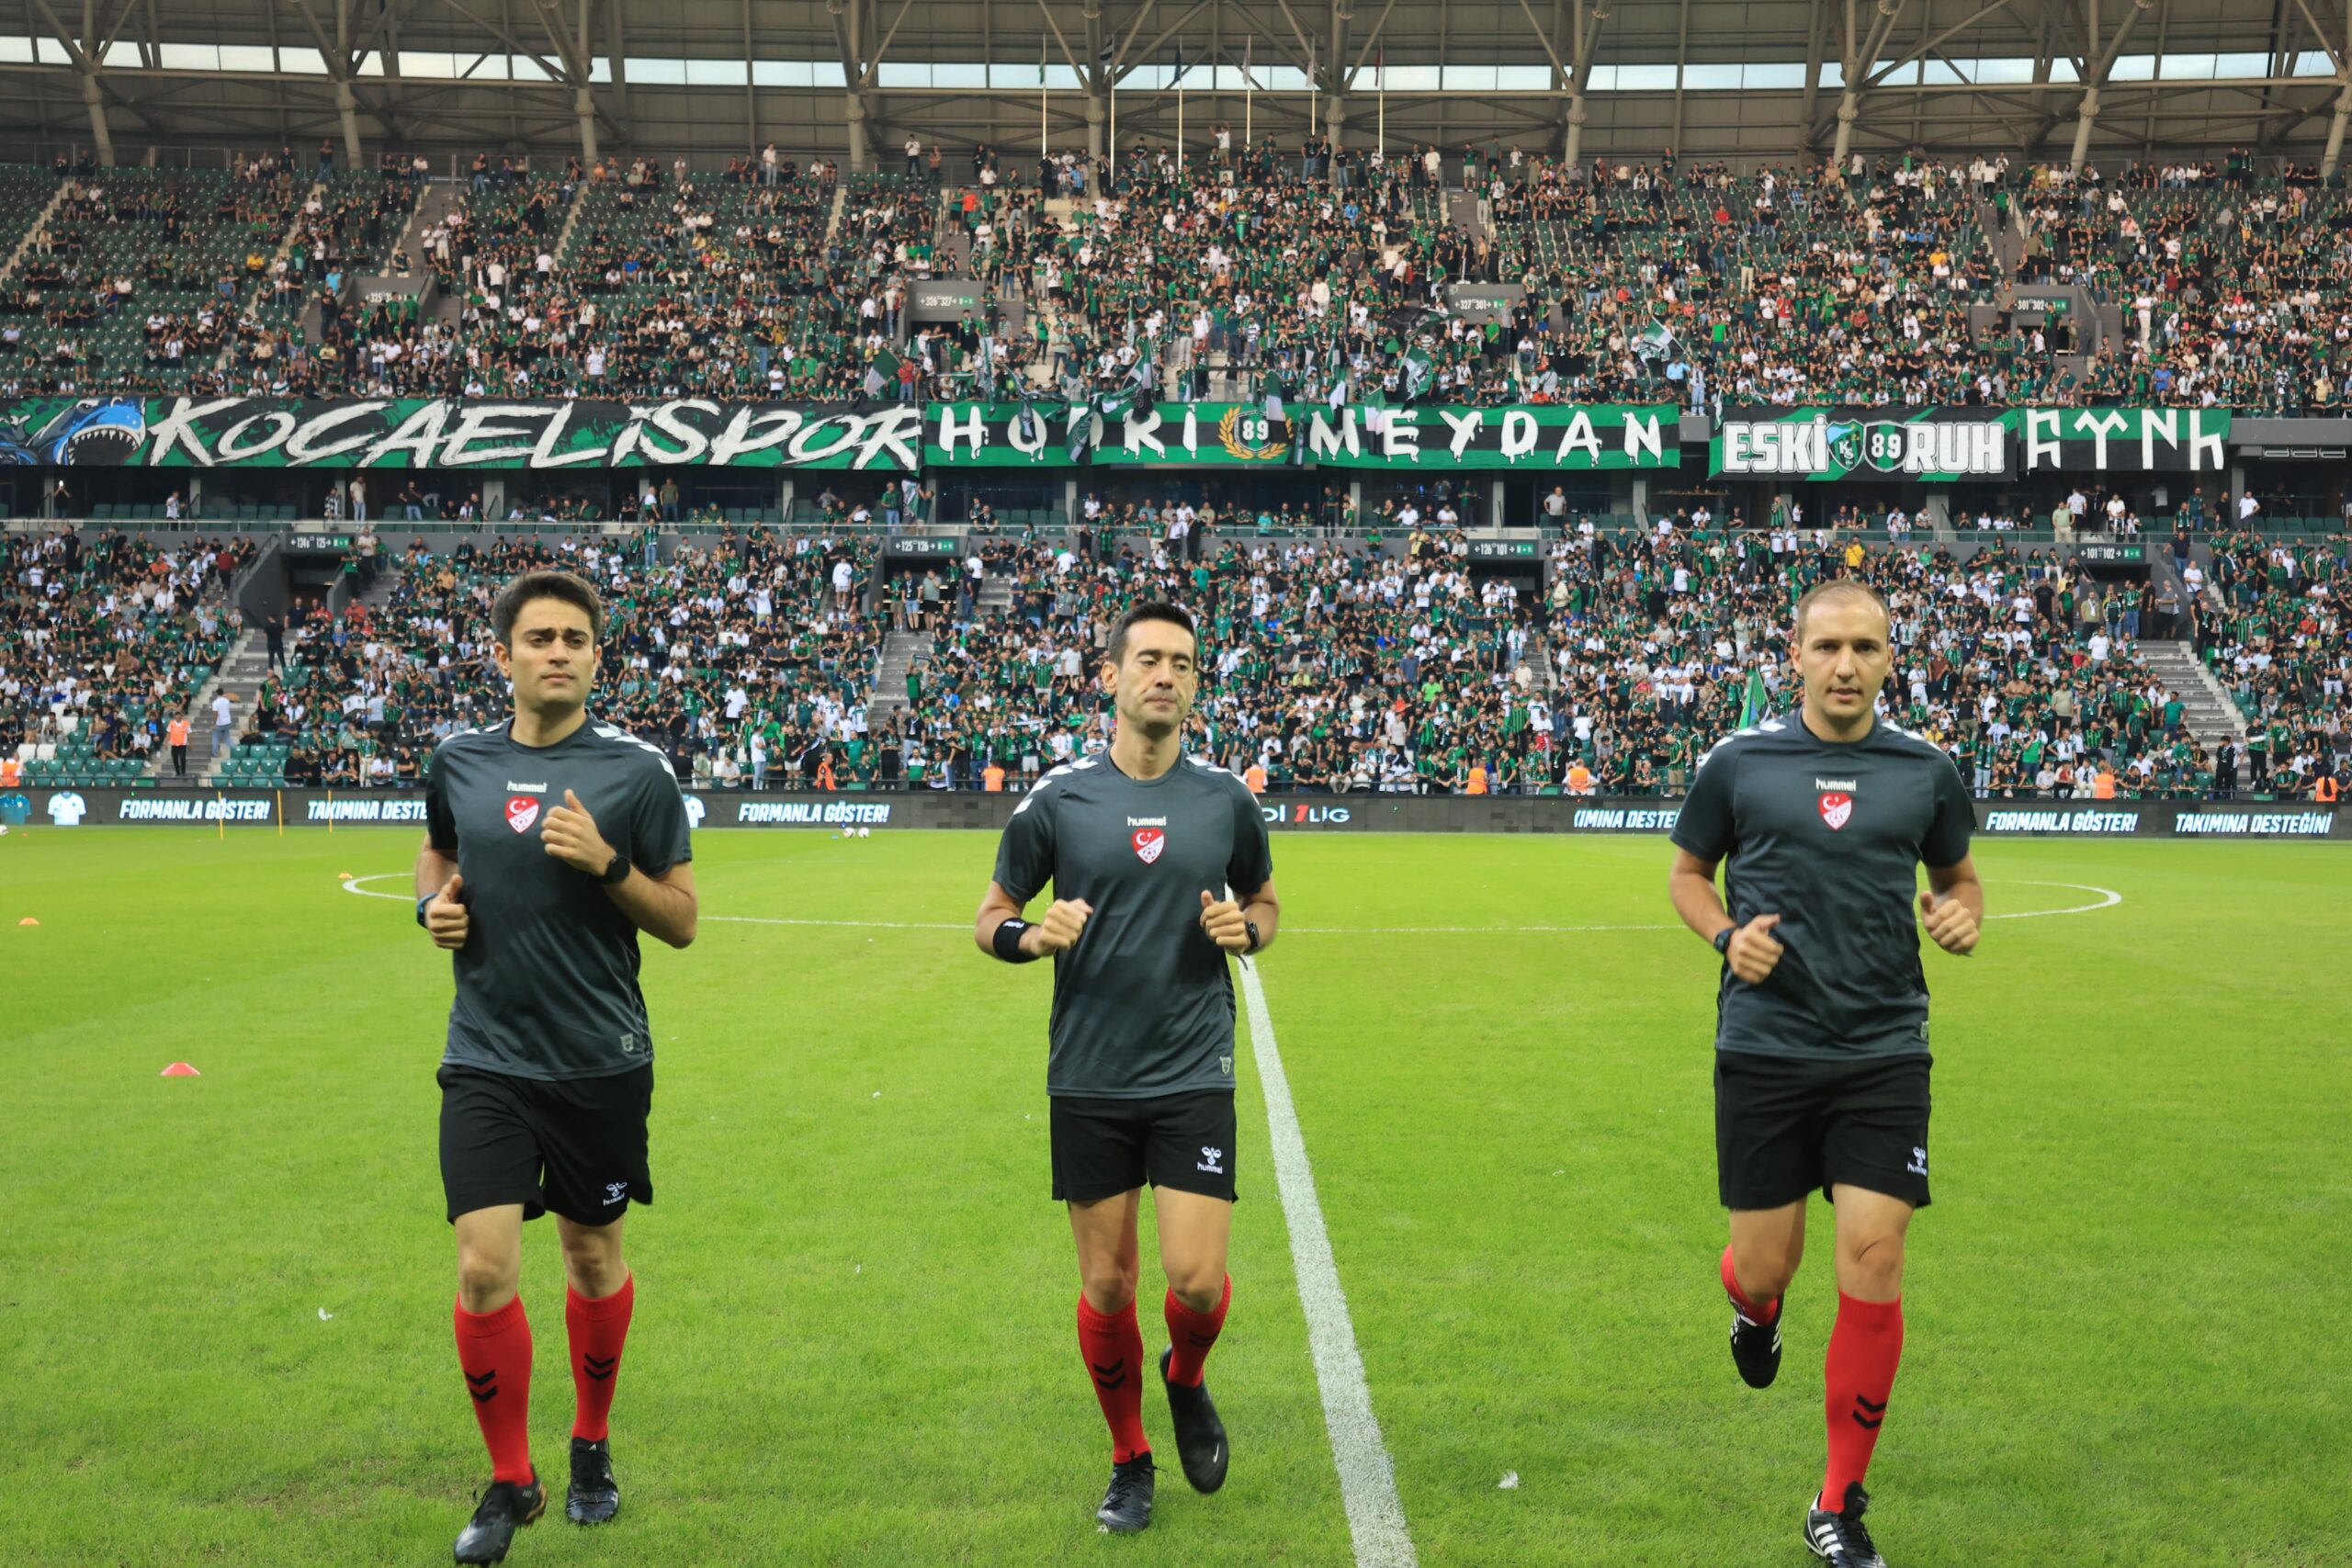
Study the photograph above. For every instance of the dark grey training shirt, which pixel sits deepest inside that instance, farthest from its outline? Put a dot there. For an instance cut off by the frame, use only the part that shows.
(1830, 837)
(547, 981)
(1143, 1003)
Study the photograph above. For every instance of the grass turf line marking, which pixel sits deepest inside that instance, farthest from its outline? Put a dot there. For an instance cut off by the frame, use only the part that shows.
(1367, 1476)
(2108, 899)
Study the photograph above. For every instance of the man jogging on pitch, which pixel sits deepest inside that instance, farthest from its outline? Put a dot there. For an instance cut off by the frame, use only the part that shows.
(551, 841)
(1161, 868)
(1821, 1045)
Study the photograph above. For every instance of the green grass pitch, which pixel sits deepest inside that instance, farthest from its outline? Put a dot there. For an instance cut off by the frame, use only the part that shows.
(2127, 1310)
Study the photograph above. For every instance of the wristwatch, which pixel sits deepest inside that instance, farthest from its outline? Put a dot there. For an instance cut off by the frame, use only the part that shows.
(617, 872)
(1251, 927)
(1722, 940)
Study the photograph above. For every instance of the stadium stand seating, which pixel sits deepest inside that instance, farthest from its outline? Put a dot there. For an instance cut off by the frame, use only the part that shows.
(1635, 281)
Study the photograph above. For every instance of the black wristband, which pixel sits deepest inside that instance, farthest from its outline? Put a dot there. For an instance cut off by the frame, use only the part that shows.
(1722, 940)
(1006, 942)
(420, 906)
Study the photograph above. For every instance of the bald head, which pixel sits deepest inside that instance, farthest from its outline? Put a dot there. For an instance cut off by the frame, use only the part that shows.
(1839, 589)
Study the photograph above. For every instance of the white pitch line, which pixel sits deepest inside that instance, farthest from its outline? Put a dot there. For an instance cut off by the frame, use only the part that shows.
(2108, 899)
(1367, 1477)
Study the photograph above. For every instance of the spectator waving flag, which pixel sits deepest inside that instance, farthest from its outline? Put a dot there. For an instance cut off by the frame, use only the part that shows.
(1757, 702)
(1418, 369)
(1657, 339)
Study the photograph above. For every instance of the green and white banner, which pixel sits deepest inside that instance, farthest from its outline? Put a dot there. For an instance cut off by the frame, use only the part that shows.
(1935, 444)
(1225, 435)
(1938, 445)
(453, 433)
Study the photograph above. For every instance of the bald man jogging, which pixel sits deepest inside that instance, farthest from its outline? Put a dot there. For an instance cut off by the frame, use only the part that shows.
(1141, 845)
(1821, 820)
(551, 841)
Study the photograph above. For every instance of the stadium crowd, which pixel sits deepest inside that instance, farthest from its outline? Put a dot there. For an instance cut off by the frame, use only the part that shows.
(105, 644)
(2275, 637)
(1331, 667)
(687, 641)
(1246, 273)
(753, 657)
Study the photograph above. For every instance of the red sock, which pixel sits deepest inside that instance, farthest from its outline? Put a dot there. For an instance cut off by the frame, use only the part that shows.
(1190, 1335)
(1864, 1349)
(597, 1327)
(494, 1352)
(1758, 1312)
(1112, 1346)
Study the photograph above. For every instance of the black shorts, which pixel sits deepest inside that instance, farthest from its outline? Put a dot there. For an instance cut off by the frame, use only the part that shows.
(1103, 1148)
(1785, 1125)
(575, 1146)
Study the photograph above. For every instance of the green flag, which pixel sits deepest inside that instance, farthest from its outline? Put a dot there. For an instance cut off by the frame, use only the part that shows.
(1757, 702)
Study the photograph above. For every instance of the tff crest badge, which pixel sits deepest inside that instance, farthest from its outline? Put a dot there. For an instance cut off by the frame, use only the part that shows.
(1149, 842)
(1836, 808)
(521, 812)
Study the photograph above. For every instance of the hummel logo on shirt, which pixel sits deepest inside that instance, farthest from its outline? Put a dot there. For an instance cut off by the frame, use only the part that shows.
(539, 788)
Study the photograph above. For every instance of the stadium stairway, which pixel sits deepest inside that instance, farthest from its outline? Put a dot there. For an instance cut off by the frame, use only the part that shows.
(440, 197)
(251, 314)
(2212, 716)
(951, 244)
(1537, 657)
(996, 598)
(578, 205)
(2005, 242)
(899, 653)
(833, 217)
(241, 676)
(360, 290)
(37, 224)
(1467, 210)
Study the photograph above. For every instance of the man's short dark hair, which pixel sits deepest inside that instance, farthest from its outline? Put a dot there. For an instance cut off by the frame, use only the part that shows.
(533, 585)
(1157, 610)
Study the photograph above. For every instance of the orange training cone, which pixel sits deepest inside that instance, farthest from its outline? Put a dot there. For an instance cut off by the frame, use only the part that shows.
(29, 920)
(345, 876)
(180, 1070)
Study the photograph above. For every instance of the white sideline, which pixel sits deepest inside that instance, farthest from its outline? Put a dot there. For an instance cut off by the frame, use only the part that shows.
(1367, 1478)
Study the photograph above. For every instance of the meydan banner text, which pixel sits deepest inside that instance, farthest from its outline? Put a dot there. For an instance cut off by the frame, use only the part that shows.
(556, 434)
(1546, 436)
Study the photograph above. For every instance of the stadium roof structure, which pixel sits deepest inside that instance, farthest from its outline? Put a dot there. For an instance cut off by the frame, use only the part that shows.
(177, 82)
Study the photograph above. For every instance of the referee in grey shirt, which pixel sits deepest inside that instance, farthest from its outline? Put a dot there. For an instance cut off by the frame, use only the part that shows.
(1160, 870)
(550, 841)
(1821, 820)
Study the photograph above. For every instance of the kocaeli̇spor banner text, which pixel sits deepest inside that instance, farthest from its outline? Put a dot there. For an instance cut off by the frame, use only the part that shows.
(554, 435)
